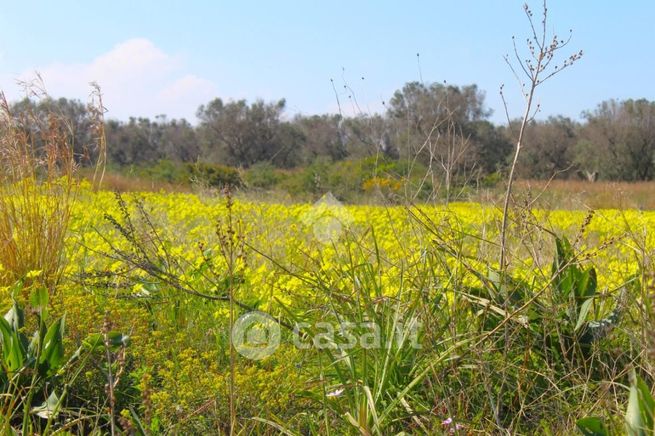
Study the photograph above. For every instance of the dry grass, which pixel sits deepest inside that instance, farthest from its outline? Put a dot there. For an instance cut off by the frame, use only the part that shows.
(114, 181)
(576, 194)
(37, 189)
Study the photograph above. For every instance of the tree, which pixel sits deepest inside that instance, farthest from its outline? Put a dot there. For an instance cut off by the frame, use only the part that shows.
(245, 134)
(323, 135)
(366, 135)
(134, 142)
(72, 113)
(549, 149)
(619, 140)
(492, 146)
(178, 140)
(435, 124)
(418, 107)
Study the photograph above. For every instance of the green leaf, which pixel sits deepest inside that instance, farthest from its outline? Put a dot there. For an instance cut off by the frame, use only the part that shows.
(48, 408)
(39, 298)
(137, 422)
(563, 253)
(639, 414)
(13, 351)
(5, 330)
(647, 403)
(15, 289)
(633, 421)
(592, 426)
(564, 284)
(15, 317)
(52, 355)
(586, 287)
(582, 315)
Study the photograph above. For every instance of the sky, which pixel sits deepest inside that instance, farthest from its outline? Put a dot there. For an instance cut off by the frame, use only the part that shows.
(164, 57)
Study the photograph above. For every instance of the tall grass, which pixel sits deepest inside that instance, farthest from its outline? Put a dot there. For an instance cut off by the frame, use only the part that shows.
(38, 187)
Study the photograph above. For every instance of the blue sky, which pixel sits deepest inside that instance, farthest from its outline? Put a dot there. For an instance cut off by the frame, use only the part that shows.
(153, 57)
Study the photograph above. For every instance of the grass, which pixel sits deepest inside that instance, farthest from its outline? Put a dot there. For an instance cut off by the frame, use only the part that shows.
(584, 195)
(36, 195)
(493, 356)
(553, 195)
(484, 364)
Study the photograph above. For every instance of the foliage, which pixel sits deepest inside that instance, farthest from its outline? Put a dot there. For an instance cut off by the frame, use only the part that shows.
(391, 263)
(246, 134)
(638, 416)
(217, 176)
(428, 262)
(30, 368)
(617, 140)
(610, 142)
(263, 176)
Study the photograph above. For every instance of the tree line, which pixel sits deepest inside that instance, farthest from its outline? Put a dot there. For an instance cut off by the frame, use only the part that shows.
(444, 128)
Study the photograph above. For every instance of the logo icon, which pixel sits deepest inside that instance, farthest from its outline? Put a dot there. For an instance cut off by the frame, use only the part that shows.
(256, 335)
(327, 218)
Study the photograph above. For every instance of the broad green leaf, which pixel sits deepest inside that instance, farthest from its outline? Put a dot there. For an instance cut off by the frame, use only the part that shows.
(52, 354)
(592, 426)
(639, 414)
(563, 253)
(582, 315)
(634, 423)
(39, 298)
(586, 286)
(646, 398)
(12, 349)
(15, 317)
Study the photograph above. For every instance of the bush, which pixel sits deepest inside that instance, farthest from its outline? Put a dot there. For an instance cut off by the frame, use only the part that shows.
(262, 175)
(218, 176)
(168, 171)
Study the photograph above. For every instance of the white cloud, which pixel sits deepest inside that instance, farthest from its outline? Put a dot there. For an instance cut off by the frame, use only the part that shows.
(187, 93)
(137, 79)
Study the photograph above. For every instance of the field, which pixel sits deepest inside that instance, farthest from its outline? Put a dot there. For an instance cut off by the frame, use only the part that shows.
(343, 319)
(227, 243)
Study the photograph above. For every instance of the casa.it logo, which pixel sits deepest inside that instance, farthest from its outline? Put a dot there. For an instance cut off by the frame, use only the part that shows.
(328, 218)
(256, 335)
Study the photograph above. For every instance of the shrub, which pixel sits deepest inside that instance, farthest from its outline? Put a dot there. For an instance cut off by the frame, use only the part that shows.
(262, 175)
(218, 176)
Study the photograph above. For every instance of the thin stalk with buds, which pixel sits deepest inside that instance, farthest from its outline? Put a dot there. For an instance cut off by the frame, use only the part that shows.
(536, 68)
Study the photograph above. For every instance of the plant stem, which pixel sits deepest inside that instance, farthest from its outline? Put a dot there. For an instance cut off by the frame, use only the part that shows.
(510, 180)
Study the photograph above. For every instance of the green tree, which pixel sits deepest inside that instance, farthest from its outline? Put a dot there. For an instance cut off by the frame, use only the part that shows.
(73, 113)
(244, 134)
(618, 140)
(323, 137)
(134, 142)
(549, 149)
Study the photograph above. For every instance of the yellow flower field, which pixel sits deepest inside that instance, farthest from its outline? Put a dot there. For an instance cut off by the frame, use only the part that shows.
(159, 268)
(283, 233)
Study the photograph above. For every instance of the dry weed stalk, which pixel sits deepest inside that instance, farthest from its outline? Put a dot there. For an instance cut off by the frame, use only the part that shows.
(37, 186)
(536, 68)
